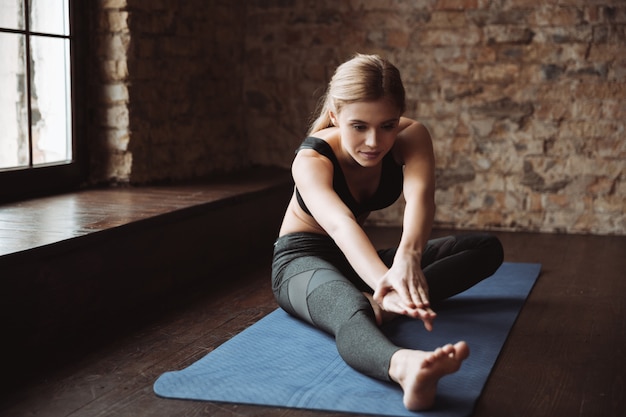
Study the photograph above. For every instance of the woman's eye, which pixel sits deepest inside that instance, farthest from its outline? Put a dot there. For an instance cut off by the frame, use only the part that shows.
(359, 128)
(389, 127)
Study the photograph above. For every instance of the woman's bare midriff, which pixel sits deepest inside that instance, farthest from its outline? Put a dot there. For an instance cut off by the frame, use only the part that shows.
(297, 221)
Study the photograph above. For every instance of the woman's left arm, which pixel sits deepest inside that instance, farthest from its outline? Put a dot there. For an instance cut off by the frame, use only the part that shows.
(405, 277)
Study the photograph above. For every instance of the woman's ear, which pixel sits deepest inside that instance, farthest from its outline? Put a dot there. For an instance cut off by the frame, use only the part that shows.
(333, 118)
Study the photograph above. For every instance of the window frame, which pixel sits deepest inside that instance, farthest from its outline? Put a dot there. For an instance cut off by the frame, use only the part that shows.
(32, 181)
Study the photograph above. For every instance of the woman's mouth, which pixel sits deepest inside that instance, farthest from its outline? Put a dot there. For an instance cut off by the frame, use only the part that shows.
(370, 155)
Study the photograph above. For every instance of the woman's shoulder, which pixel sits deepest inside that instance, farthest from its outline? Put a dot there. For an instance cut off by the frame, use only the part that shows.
(411, 126)
(321, 142)
(412, 130)
(413, 137)
(329, 134)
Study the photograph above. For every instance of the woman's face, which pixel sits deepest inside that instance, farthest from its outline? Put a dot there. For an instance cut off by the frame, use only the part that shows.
(368, 130)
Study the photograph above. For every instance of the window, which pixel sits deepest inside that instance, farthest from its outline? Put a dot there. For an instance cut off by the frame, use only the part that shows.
(38, 149)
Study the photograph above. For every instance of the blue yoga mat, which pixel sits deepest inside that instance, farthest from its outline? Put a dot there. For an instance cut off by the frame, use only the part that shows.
(282, 362)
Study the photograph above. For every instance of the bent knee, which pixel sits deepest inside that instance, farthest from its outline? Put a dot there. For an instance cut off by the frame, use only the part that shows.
(496, 249)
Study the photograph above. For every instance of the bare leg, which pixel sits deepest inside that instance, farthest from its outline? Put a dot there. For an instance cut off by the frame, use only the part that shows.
(418, 372)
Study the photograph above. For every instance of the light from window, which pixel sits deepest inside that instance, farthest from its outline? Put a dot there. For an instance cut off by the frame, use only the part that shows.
(35, 103)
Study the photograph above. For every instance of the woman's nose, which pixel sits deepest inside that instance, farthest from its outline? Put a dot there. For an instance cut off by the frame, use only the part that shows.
(371, 139)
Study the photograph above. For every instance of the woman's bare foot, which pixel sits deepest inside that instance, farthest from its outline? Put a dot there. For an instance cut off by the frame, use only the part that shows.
(418, 372)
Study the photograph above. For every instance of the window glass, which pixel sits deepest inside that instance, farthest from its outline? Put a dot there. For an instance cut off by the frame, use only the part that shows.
(50, 100)
(40, 108)
(14, 147)
(35, 104)
(49, 16)
(12, 15)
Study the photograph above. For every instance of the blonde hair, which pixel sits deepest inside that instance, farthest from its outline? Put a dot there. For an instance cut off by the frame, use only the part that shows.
(362, 78)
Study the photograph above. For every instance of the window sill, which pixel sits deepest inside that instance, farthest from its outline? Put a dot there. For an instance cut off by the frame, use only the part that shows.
(42, 223)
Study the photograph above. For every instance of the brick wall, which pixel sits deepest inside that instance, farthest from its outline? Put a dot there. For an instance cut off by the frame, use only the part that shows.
(170, 78)
(525, 101)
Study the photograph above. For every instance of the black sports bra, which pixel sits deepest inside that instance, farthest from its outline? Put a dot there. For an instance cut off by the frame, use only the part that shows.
(389, 188)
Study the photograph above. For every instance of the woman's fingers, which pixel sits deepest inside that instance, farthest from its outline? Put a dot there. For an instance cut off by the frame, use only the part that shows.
(419, 292)
(427, 316)
(428, 323)
(406, 296)
(417, 296)
(411, 293)
(393, 303)
(380, 293)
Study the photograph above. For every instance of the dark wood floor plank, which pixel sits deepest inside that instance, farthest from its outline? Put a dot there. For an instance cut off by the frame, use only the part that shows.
(564, 356)
(557, 360)
(109, 376)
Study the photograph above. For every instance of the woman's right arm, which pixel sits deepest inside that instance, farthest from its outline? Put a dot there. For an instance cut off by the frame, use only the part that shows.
(313, 175)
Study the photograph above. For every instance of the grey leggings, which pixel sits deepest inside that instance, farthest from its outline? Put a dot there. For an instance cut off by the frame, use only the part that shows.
(312, 280)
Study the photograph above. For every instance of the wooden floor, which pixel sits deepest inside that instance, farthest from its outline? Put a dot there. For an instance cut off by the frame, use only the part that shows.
(566, 355)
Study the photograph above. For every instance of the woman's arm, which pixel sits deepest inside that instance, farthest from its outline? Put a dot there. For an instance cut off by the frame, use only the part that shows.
(418, 189)
(313, 175)
(405, 276)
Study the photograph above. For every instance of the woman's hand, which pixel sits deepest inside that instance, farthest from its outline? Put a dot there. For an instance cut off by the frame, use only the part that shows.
(404, 290)
(391, 303)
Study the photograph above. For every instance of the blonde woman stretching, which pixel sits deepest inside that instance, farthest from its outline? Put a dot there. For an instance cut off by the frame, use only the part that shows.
(359, 156)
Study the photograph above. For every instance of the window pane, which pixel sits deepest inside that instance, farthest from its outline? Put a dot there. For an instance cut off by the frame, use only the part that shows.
(13, 105)
(50, 100)
(12, 15)
(49, 16)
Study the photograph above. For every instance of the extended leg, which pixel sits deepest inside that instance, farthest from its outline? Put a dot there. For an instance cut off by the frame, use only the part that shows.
(337, 307)
(326, 299)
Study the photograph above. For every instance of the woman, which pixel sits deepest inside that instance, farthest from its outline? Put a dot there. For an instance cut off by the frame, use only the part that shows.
(361, 154)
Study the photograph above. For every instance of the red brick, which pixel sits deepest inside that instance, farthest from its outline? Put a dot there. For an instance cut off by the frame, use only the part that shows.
(456, 4)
